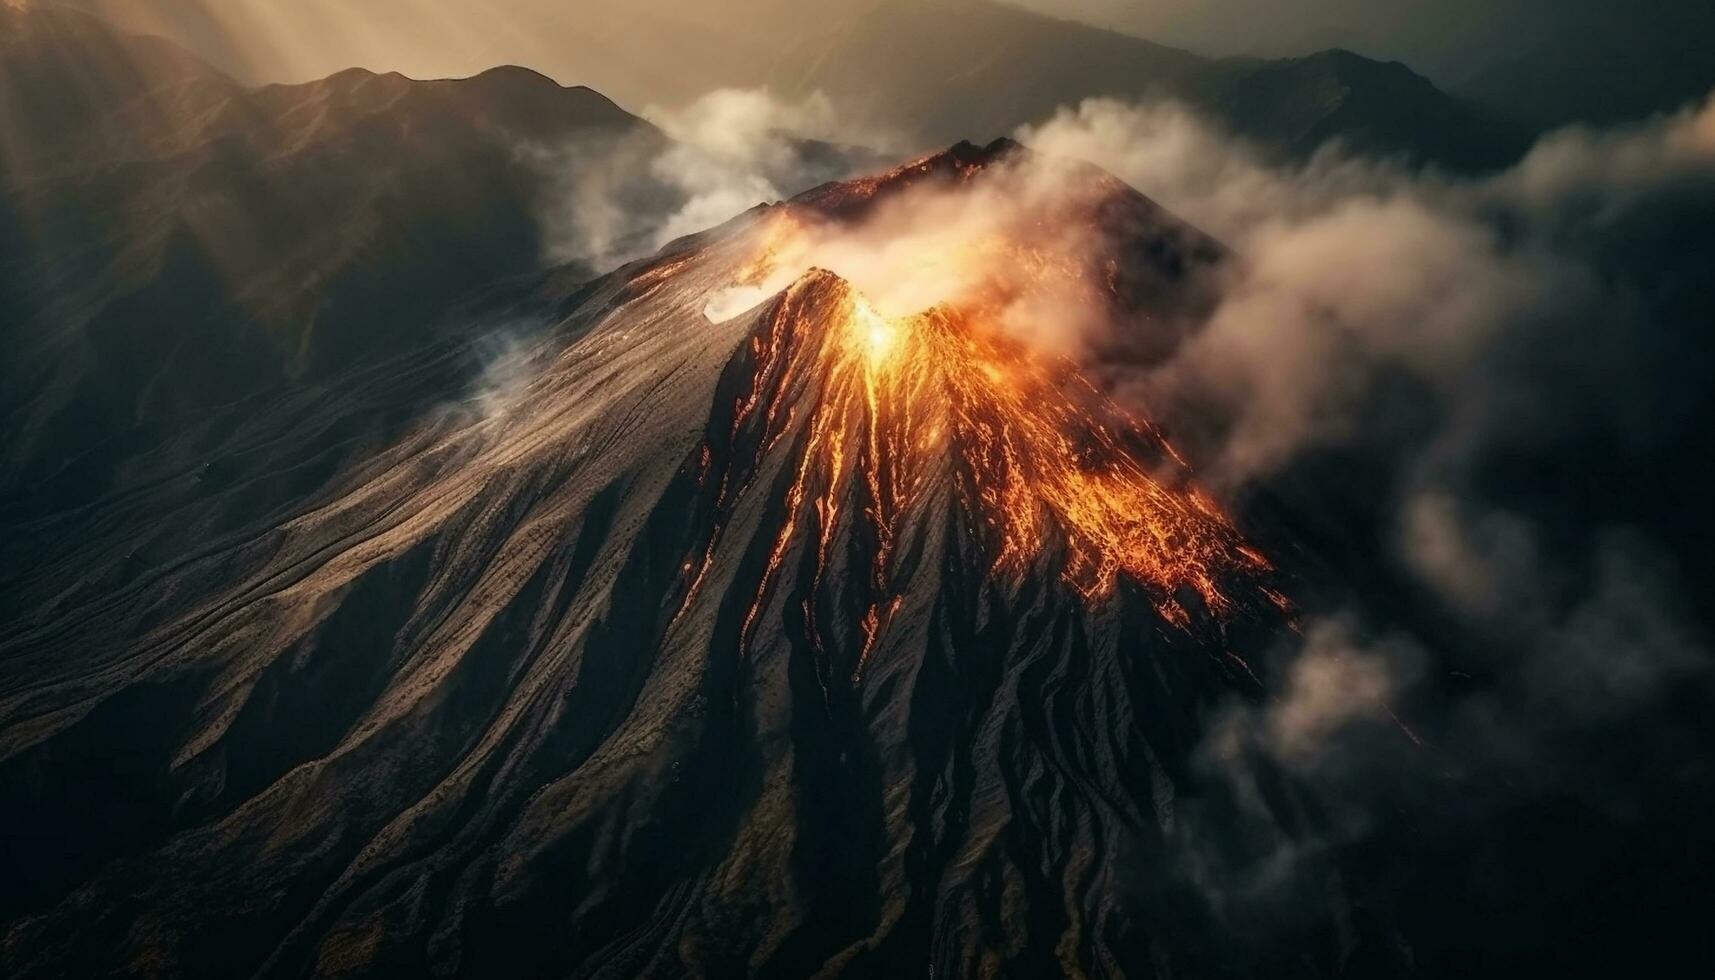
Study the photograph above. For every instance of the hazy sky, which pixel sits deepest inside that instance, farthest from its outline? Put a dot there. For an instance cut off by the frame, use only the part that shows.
(1444, 35)
(1570, 53)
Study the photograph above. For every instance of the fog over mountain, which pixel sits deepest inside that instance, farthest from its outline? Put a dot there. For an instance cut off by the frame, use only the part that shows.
(543, 489)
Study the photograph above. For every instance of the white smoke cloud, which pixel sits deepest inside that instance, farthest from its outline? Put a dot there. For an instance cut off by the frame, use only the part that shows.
(732, 150)
(1002, 243)
(726, 152)
(1477, 562)
(1353, 269)
(1333, 683)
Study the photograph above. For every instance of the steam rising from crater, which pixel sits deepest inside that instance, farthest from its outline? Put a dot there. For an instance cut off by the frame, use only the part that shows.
(1012, 243)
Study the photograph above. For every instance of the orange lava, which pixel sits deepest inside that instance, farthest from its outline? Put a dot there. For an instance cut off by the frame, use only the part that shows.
(1042, 463)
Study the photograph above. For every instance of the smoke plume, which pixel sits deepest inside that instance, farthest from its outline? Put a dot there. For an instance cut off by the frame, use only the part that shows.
(1478, 394)
(616, 200)
(1483, 388)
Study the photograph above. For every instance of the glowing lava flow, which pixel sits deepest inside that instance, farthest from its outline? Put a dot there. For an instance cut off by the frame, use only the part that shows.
(1041, 463)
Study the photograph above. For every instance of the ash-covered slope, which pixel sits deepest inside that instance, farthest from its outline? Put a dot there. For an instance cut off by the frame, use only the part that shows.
(810, 640)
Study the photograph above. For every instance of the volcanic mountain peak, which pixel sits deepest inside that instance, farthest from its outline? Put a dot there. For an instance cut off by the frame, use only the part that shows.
(517, 99)
(847, 198)
(1052, 247)
(808, 603)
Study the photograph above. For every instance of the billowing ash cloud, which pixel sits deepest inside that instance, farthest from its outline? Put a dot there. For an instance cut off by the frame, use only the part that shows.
(1002, 243)
(734, 148)
(1353, 268)
(1489, 395)
(611, 201)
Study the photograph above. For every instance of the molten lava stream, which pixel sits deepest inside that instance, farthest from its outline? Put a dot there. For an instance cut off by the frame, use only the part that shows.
(1036, 452)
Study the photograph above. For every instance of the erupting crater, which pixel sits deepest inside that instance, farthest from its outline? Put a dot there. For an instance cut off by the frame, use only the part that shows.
(888, 413)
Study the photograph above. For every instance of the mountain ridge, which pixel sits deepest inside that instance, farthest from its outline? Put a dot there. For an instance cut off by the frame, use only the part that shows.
(175, 246)
(953, 70)
(960, 69)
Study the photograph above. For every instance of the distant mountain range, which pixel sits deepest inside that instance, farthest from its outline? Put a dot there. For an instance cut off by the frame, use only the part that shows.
(1612, 63)
(935, 71)
(970, 68)
(170, 239)
(1546, 63)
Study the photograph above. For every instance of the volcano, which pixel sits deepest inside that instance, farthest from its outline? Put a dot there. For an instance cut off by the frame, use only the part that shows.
(814, 635)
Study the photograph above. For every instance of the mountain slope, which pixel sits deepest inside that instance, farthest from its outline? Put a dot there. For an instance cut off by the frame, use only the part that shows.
(173, 241)
(805, 640)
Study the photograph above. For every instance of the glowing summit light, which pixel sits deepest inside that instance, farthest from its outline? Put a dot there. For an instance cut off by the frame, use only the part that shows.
(887, 417)
(877, 335)
(1041, 463)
